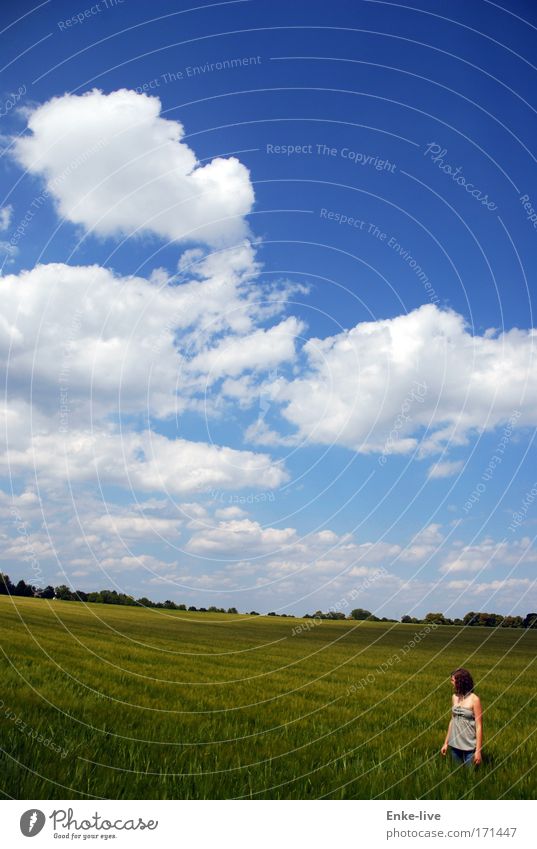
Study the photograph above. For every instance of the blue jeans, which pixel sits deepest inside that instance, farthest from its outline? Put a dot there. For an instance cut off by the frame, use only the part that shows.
(460, 756)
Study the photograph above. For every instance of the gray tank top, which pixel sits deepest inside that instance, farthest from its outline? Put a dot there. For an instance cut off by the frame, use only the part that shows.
(462, 734)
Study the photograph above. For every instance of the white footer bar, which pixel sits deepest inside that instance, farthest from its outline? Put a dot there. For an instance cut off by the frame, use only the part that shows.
(269, 824)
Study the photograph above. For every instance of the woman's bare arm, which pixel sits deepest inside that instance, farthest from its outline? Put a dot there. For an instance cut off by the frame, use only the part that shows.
(448, 732)
(478, 713)
(445, 746)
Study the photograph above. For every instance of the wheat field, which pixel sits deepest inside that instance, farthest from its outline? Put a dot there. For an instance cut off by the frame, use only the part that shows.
(102, 701)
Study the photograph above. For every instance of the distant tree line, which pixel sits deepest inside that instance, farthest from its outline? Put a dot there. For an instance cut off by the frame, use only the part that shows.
(358, 613)
(63, 593)
(488, 620)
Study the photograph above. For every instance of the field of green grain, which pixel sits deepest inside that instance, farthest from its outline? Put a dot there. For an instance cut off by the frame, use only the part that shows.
(111, 702)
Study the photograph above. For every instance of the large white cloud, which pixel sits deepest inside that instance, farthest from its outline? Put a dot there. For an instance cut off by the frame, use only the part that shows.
(385, 385)
(116, 167)
(83, 331)
(144, 461)
(83, 348)
(135, 344)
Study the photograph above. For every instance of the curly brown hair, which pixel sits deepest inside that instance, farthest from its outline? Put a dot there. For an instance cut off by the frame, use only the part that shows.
(464, 683)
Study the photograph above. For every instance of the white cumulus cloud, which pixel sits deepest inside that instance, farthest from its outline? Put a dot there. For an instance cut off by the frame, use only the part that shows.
(115, 166)
(421, 378)
(141, 461)
(126, 342)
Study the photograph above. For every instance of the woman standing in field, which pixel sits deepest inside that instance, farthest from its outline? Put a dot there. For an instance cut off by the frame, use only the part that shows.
(465, 731)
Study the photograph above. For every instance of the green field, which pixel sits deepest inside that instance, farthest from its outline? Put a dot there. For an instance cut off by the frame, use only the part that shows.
(163, 704)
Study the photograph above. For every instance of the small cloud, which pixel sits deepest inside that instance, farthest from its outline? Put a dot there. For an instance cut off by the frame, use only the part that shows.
(459, 585)
(445, 470)
(6, 213)
(190, 258)
(230, 513)
(259, 433)
(8, 251)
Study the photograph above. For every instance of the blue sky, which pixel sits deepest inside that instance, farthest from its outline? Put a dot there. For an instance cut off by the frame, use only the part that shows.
(268, 278)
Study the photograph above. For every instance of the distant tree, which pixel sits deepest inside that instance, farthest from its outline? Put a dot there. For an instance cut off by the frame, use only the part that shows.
(23, 589)
(470, 618)
(489, 620)
(109, 597)
(63, 593)
(80, 595)
(95, 597)
(170, 605)
(202, 610)
(232, 610)
(145, 602)
(271, 613)
(530, 621)
(181, 607)
(127, 599)
(254, 613)
(192, 608)
(438, 618)
(406, 619)
(360, 613)
(47, 592)
(6, 587)
(113, 597)
(458, 622)
(104, 596)
(512, 622)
